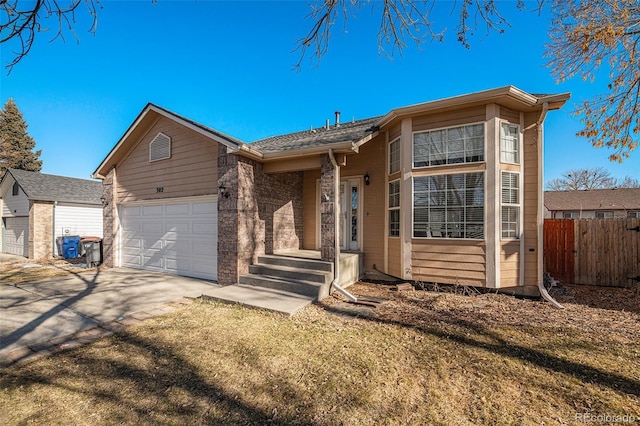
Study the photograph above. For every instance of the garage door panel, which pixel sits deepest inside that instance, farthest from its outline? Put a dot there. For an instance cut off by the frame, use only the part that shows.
(202, 249)
(178, 238)
(209, 228)
(16, 236)
(207, 209)
(177, 209)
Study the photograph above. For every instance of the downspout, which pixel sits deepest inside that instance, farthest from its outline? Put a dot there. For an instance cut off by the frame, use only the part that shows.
(336, 214)
(543, 291)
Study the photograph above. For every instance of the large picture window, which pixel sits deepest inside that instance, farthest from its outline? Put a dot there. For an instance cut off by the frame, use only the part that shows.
(449, 206)
(510, 214)
(394, 156)
(509, 144)
(394, 208)
(453, 145)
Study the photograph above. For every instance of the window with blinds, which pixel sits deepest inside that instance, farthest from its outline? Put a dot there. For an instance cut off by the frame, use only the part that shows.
(510, 209)
(449, 206)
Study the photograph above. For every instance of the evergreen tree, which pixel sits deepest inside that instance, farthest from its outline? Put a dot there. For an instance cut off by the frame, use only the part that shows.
(16, 145)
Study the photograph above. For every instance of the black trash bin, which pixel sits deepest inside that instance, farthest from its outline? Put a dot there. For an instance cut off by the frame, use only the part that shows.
(92, 248)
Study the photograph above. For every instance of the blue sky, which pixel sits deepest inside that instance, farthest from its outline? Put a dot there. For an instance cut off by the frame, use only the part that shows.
(229, 65)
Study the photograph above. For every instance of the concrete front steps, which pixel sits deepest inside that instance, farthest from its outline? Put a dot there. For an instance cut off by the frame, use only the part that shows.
(288, 282)
(307, 277)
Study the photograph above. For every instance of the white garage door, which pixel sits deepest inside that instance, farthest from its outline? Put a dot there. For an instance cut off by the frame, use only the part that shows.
(178, 238)
(16, 236)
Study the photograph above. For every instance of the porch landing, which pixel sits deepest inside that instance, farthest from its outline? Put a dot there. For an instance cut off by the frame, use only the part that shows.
(288, 281)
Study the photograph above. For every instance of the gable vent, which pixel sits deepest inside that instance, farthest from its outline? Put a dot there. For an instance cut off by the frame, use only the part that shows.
(160, 147)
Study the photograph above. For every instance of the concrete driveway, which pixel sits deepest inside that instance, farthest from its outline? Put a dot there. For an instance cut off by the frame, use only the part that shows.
(33, 313)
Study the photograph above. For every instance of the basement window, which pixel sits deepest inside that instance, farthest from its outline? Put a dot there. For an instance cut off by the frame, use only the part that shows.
(160, 148)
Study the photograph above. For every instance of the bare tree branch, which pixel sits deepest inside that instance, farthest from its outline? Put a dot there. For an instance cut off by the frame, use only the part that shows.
(403, 22)
(22, 23)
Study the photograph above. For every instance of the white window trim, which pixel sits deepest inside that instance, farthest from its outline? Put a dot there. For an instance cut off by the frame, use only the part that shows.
(152, 160)
(396, 140)
(484, 134)
(450, 172)
(520, 138)
(519, 205)
(398, 208)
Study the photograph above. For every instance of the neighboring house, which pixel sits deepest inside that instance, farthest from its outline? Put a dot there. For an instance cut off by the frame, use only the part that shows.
(448, 191)
(38, 208)
(592, 204)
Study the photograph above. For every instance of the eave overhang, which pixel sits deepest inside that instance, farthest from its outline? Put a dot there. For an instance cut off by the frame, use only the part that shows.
(508, 96)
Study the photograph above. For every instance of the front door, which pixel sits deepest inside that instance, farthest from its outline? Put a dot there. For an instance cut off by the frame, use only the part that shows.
(350, 217)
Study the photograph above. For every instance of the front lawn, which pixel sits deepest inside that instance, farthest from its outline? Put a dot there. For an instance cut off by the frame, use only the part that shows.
(418, 358)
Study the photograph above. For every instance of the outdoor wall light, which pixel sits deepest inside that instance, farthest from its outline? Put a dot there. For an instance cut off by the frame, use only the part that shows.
(104, 201)
(367, 181)
(223, 191)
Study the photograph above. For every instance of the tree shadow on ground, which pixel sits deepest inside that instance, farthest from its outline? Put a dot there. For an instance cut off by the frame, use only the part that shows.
(149, 383)
(454, 327)
(14, 336)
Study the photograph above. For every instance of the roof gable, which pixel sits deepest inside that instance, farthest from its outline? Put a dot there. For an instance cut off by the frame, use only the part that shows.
(43, 187)
(147, 116)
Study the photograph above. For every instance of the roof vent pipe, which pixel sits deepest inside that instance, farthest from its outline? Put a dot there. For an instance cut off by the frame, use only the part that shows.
(327, 125)
(337, 118)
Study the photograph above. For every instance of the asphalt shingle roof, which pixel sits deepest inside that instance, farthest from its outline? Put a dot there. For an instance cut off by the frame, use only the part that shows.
(346, 132)
(42, 187)
(595, 199)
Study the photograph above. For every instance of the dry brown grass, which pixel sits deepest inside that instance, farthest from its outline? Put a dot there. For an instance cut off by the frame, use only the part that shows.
(22, 271)
(419, 358)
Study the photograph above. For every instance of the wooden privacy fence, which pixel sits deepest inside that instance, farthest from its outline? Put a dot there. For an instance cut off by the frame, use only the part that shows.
(603, 252)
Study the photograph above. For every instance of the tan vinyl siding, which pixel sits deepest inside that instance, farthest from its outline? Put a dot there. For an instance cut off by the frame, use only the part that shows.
(449, 262)
(310, 200)
(395, 256)
(451, 118)
(510, 264)
(530, 227)
(192, 169)
(510, 115)
(371, 159)
(394, 133)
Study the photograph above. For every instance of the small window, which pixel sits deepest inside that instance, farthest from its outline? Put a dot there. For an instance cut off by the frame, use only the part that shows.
(394, 156)
(510, 219)
(394, 208)
(509, 144)
(571, 215)
(633, 214)
(604, 215)
(16, 189)
(160, 148)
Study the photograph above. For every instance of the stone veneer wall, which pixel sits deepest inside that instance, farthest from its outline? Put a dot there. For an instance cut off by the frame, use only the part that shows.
(41, 230)
(108, 214)
(262, 214)
(327, 215)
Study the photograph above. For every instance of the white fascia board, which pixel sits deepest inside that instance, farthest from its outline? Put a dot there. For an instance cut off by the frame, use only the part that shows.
(486, 96)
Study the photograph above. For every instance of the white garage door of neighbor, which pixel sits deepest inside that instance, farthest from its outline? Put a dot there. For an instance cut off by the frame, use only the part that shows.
(179, 238)
(16, 236)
